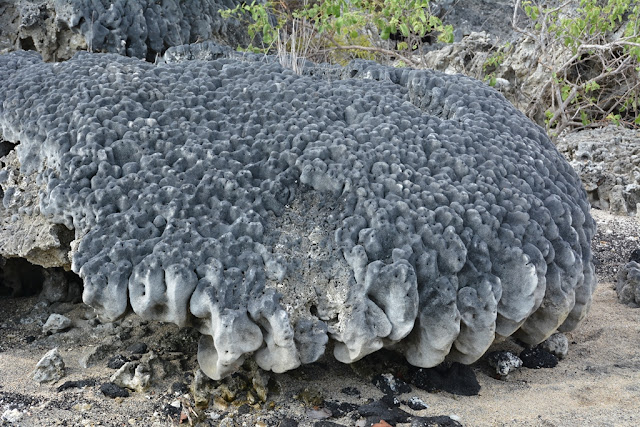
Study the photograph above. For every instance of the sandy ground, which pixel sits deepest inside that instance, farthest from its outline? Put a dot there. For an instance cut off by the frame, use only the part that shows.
(597, 384)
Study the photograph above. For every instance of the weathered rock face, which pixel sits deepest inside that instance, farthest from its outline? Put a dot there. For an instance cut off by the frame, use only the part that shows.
(628, 284)
(373, 206)
(520, 76)
(24, 231)
(608, 162)
(140, 28)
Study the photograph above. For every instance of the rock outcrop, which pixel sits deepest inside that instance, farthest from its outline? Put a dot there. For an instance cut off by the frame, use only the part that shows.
(373, 206)
(140, 28)
(608, 162)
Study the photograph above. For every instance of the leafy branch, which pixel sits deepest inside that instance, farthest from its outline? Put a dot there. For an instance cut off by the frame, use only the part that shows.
(592, 55)
(341, 30)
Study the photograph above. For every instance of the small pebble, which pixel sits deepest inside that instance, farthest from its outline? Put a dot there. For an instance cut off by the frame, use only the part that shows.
(117, 361)
(138, 348)
(416, 404)
(319, 414)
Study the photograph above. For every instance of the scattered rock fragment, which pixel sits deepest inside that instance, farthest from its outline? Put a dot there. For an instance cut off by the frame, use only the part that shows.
(82, 406)
(538, 357)
(132, 375)
(201, 388)
(389, 384)
(438, 421)
(318, 413)
(628, 284)
(11, 416)
(179, 387)
(112, 390)
(416, 404)
(375, 411)
(503, 362)
(138, 348)
(56, 323)
(76, 384)
(339, 410)
(117, 361)
(288, 422)
(454, 378)
(50, 367)
(260, 381)
(557, 344)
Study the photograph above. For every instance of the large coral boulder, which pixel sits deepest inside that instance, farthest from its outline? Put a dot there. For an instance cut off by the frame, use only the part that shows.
(372, 206)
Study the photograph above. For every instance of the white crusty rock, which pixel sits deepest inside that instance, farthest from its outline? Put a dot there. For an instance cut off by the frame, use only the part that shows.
(557, 344)
(372, 206)
(628, 284)
(56, 323)
(11, 416)
(132, 375)
(504, 362)
(50, 367)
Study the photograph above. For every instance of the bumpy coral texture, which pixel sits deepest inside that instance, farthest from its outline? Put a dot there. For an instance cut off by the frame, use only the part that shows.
(146, 28)
(373, 206)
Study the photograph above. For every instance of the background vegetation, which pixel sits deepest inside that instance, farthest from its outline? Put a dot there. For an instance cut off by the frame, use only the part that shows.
(590, 48)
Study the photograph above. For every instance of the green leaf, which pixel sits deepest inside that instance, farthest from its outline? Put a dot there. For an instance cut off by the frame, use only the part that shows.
(404, 28)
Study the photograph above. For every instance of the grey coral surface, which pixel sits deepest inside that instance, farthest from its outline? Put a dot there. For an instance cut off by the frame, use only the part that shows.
(146, 28)
(370, 206)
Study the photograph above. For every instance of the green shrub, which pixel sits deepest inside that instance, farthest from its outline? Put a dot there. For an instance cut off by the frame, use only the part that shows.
(592, 55)
(340, 30)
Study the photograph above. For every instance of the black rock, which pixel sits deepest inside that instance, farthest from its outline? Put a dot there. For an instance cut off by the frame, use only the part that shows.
(30, 339)
(538, 357)
(339, 410)
(113, 391)
(244, 409)
(416, 404)
(635, 256)
(76, 384)
(179, 387)
(172, 411)
(454, 378)
(439, 421)
(389, 384)
(390, 401)
(288, 422)
(504, 362)
(350, 391)
(117, 361)
(379, 410)
(138, 348)
(326, 424)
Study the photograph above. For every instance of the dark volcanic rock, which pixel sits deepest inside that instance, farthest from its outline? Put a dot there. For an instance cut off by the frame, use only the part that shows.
(454, 378)
(76, 384)
(438, 421)
(389, 384)
(538, 357)
(117, 361)
(138, 348)
(113, 391)
(379, 410)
